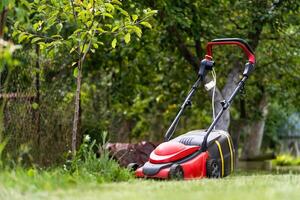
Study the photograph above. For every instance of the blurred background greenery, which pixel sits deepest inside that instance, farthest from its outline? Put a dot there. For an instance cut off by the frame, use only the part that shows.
(134, 90)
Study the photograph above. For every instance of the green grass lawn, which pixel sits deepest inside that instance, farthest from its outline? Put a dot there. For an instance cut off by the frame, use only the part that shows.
(236, 187)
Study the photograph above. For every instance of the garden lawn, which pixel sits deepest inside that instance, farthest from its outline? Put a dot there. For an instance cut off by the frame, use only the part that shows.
(236, 187)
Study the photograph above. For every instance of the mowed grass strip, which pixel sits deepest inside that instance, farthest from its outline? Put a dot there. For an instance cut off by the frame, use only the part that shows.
(239, 187)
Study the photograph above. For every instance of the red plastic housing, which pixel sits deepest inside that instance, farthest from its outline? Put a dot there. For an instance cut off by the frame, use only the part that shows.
(193, 169)
(170, 152)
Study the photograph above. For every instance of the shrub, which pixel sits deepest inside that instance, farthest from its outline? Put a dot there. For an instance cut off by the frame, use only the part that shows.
(286, 160)
(101, 167)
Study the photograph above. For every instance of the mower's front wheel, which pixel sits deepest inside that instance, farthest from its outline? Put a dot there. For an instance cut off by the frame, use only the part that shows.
(176, 172)
(132, 167)
(213, 169)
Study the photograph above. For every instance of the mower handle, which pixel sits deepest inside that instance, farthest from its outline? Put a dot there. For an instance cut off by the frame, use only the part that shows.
(231, 41)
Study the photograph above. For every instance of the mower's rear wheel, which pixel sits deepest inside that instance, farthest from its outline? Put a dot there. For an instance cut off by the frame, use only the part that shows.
(213, 169)
(132, 167)
(176, 172)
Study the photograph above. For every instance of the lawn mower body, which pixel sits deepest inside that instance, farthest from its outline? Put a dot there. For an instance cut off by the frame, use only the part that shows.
(198, 153)
(185, 151)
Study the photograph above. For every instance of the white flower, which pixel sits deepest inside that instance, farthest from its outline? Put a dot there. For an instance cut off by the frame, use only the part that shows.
(87, 138)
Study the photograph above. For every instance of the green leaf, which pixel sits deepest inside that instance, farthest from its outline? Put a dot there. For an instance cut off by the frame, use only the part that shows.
(146, 24)
(116, 2)
(124, 12)
(86, 48)
(95, 45)
(42, 45)
(73, 49)
(100, 30)
(134, 17)
(22, 37)
(59, 27)
(151, 12)
(74, 63)
(75, 72)
(136, 29)
(114, 43)
(107, 15)
(34, 40)
(109, 7)
(115, 28)
(36, 26)
(15, 33)
(41, 8)
(77, 31)
(127, 38)
(35, 106)
(108, 25)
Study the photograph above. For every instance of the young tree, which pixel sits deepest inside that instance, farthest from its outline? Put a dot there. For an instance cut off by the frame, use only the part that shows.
(81, 27)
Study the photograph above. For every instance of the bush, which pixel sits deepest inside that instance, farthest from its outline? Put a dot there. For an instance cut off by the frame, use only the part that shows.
(286, 160)
(101, 167)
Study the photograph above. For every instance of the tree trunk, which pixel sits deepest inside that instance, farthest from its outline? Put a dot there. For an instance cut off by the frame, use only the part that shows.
(37, 97)
(3, 77)
(226, 92)
(77, 112)
(77, 107)
(255, 131)
(3, 15)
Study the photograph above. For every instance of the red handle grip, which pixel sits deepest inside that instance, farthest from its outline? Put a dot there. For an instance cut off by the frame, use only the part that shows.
(232, 41)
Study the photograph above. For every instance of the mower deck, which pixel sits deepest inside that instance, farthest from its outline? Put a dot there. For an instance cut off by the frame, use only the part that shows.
(185, 151)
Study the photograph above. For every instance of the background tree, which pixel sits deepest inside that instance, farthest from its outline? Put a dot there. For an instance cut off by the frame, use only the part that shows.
(259, 22)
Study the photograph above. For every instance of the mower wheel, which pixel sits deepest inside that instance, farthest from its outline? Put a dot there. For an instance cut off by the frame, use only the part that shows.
(213, 169)
(132, 167)
(176, 172)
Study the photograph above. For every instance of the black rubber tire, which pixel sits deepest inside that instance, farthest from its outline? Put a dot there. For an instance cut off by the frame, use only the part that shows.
(132, 167)
(213, 169)
(176, 172)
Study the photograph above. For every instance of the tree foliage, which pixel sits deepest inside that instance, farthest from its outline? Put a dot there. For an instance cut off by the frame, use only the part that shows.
(136, 69)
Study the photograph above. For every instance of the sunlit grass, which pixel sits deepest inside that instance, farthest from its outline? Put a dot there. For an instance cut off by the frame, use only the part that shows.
(59, 185)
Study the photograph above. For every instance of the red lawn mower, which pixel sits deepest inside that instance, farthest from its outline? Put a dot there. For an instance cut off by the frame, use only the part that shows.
(198, 153)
